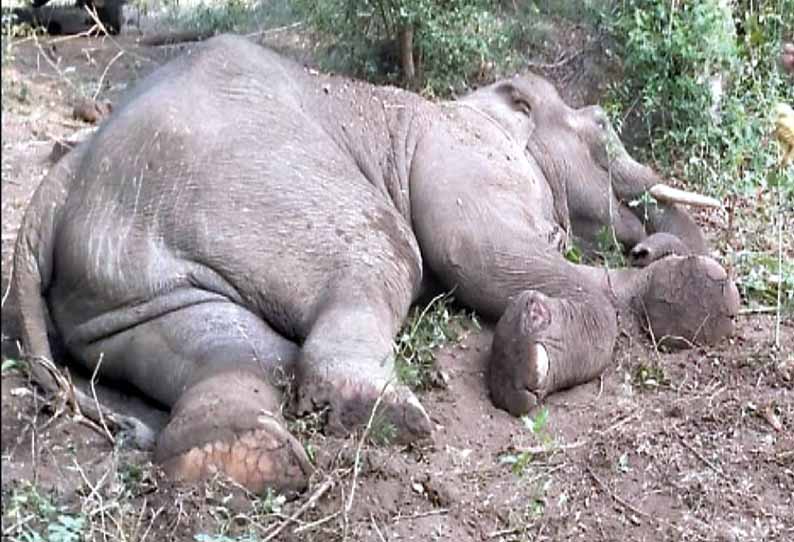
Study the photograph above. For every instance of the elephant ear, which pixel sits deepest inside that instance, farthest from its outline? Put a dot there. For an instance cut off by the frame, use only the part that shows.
(508, 106)
(514, 97)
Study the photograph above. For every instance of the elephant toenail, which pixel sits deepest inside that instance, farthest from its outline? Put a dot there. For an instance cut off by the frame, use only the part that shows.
(542, 364)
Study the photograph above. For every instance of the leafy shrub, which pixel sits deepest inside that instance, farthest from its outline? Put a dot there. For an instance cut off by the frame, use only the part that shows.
(219, 16)
(704, 78)
(704, 89)
(454, 43)
(426, 329)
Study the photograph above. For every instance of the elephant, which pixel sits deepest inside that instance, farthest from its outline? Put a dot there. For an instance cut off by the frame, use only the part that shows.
(243, 237)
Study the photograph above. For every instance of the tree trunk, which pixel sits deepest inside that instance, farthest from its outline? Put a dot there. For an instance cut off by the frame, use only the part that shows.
(406, 37)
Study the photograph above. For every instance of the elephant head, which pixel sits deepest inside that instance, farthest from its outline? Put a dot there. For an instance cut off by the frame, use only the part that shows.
(597, 184)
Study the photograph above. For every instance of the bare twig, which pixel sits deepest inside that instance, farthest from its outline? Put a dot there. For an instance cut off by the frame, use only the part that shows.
(779, 262)
(314, 524)
(550, 449)
(8, 287)
(357, 460)
(105, 72)
(375, 526)
(758, 310)
(78, 401)
(94, 493)
(97, 22)
(617, 424)
(615, 497)
(108, 434)
(697, 454)
(505, 532)
(53, 65)
(319, 492)
(436, 512)
(151, 523)
(95, 17)
(83, 34)
(275, 30)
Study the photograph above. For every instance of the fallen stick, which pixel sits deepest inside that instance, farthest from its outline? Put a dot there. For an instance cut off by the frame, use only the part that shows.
(319, 492)
(614, 497)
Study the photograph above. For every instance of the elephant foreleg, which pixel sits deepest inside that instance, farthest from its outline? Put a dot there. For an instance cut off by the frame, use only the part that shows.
(543, 344)
(347, 368)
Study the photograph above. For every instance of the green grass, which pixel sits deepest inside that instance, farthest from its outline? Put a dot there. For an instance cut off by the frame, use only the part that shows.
(31, 516)
(758, 278)
(426, 329)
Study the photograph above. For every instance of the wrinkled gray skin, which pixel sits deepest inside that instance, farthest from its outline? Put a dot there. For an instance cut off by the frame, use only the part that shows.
(239, 223)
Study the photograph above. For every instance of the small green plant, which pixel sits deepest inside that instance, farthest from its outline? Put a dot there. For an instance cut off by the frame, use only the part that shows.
(11, 366)
(271, 503)
(426, 329)
(382, 432)
(608, 249)
(646, 202)
(66, 529)
(307, 426)
(130, 474)
(574, 254)
(30, 513)
(759, 275)
(649, 376)
(538, 426)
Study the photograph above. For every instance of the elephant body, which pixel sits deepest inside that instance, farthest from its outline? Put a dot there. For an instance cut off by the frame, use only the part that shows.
(243, 230)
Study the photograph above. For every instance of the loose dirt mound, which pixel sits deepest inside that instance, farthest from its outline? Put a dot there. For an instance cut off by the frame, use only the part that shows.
(695, 445)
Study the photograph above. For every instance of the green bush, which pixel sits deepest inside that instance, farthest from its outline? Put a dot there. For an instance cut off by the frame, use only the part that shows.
(674, 53)
(219, 16)
(704, 78)
(455, 42)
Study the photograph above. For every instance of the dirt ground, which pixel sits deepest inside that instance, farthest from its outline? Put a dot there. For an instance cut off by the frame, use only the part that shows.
(695, 445)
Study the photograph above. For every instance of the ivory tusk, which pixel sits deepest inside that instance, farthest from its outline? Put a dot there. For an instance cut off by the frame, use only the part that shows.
(542, 364)
(668, 194)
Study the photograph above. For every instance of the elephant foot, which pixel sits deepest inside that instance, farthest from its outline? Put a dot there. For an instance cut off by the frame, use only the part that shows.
(350, 401)
(688, 300)
(229, 424)
(518, 371)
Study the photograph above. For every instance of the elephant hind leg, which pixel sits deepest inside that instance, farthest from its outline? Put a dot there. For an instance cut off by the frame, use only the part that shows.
(544, 344)
(230, 423)
(218, 367)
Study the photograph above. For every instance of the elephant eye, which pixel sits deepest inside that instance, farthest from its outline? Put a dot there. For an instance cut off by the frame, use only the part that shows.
(601, 122)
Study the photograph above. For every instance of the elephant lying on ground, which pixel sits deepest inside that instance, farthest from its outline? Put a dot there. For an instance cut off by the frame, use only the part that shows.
(240, 224)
